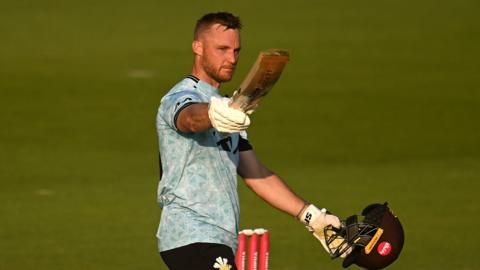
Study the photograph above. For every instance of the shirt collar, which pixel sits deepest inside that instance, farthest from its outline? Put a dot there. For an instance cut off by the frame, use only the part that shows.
(207, 88)
(204, 87)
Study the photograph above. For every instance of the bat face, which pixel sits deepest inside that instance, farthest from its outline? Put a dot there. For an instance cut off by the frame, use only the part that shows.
(261, 78)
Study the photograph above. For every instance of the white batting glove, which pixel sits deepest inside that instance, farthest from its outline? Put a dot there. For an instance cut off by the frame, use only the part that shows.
(226, 119)
(316, 220)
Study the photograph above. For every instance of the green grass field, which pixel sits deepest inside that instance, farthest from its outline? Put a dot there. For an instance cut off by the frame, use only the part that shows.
(380, 101)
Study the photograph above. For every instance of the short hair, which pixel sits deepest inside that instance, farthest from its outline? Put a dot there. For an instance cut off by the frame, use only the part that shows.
(226, 19)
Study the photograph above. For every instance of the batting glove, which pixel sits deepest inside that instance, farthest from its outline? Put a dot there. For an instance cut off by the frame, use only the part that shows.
(316, 220)
(225, 119)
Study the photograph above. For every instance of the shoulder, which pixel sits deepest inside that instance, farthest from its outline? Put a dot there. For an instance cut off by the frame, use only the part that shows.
(186, 87)
(183, 94)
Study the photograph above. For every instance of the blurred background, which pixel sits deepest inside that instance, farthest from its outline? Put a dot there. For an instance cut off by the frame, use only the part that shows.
(380, 102)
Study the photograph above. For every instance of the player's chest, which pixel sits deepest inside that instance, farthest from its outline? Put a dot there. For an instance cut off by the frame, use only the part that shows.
(228, 143)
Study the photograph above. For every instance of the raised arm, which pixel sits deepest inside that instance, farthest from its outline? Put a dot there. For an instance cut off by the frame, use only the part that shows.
(194, 118)
(198, 117)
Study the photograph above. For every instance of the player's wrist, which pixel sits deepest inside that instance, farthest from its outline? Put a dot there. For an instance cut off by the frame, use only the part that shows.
(310, 213)
(300, 212)
(316, 219)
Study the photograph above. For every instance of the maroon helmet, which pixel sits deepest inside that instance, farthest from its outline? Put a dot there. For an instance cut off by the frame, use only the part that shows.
(372, 243)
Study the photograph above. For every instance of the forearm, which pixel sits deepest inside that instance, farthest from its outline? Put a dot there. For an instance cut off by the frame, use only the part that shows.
(274, 191)
(217, 114)
(194, 118)
(271, 188)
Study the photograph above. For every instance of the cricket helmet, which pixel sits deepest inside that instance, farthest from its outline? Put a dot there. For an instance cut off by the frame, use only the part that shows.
(372, 243)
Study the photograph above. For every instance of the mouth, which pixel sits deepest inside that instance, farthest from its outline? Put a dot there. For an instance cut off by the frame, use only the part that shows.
(232, 68)
(230, 71)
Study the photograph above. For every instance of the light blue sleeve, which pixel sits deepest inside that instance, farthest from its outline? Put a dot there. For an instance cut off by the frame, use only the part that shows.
(174, 103)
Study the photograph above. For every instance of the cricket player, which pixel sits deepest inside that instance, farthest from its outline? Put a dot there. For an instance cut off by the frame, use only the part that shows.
(203, 146)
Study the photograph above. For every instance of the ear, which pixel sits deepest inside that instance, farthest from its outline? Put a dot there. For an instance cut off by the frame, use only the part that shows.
(197, 47)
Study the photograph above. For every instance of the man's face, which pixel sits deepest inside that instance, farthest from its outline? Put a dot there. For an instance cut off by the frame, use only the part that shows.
(221, 48)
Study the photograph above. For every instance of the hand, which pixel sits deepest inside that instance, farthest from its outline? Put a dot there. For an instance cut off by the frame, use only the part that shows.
(225, 119)
(316, 220)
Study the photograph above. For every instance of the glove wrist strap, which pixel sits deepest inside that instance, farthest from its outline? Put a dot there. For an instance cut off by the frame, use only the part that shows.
(299, 215)
(311, 213)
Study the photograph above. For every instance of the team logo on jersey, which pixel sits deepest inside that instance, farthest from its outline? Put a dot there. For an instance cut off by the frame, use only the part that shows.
(226, 143)
(222, 264)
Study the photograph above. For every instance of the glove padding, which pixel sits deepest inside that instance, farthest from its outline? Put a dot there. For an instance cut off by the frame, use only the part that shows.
(225, 119)
(316, 220)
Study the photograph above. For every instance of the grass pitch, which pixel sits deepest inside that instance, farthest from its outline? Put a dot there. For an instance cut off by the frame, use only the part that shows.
(380, 102)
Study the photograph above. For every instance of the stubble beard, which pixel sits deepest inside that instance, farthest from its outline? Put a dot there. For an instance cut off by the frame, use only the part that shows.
(216, 73)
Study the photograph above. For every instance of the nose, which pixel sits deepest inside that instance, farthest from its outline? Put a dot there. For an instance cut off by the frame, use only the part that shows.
(232, 57)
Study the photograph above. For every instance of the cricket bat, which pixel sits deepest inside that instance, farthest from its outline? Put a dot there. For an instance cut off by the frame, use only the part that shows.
(260, 79)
